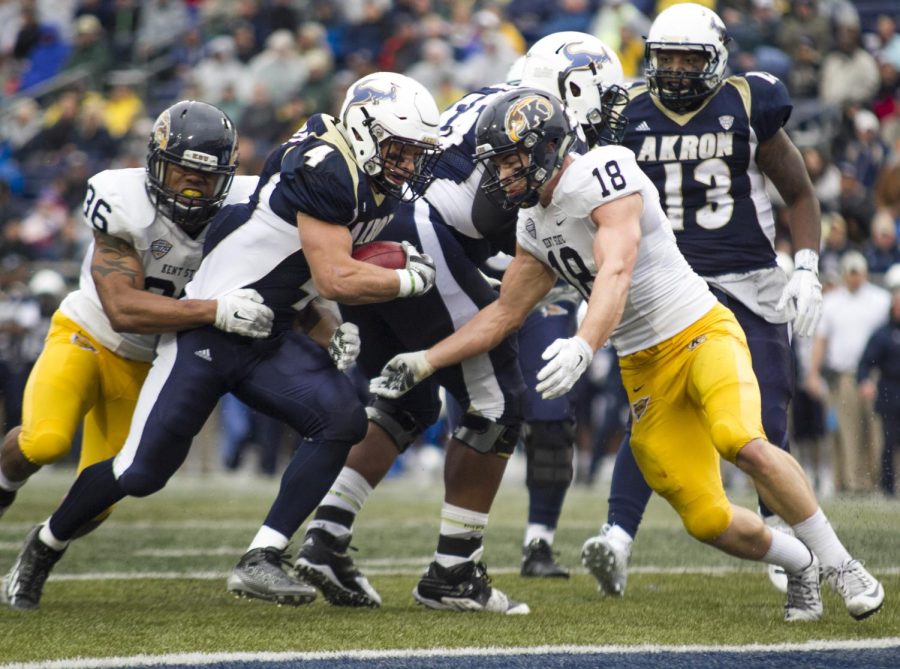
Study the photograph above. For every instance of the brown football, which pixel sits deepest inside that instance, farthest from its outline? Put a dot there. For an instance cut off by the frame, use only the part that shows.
(384, 254)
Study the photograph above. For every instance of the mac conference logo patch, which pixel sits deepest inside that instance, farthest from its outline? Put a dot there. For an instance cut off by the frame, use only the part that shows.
(159, 248)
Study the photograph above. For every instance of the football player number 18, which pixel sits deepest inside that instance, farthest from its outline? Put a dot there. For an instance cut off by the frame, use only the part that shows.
(95, 208)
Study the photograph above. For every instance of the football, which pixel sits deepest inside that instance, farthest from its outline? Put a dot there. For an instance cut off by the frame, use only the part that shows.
(384, 254)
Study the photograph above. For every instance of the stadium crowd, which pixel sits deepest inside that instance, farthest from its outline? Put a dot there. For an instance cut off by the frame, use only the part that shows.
(82, 82)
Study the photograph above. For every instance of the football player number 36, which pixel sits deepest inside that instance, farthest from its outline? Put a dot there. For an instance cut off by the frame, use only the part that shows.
(95, 209)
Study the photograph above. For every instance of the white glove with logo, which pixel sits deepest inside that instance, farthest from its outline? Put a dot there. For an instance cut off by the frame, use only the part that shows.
(242, 312)
(568, 360)
(419, 274)
(344, 345)
(804, 287)
(400, 374)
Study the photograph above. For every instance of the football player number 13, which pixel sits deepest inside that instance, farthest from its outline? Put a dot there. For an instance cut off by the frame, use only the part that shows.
(715, 176)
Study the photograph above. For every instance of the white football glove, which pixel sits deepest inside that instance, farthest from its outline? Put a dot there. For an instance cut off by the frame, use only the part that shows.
(804, 287)
(242, 312)
(400, 374)
(568, 360)
(419, 274)
(344, 345)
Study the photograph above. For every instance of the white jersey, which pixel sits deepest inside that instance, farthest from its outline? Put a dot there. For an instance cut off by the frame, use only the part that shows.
(117, 204)
(665, 296)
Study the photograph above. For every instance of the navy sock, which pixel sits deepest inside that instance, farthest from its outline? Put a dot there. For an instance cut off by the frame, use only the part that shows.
(629, 492)
(94, 491)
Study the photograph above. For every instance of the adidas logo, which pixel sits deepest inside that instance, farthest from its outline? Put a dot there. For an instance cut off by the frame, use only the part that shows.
(204, 354)
(642, 127)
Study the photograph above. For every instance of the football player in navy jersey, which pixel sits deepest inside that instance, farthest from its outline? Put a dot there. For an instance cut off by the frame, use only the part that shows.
(708, 142)
(335, 183)
(460, 228)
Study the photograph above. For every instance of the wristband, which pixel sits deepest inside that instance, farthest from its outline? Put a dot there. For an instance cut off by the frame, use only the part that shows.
(807, 259)
(407, 282)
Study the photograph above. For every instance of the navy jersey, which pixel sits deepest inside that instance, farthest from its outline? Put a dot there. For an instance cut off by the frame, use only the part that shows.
(703, 164)
(256, 245)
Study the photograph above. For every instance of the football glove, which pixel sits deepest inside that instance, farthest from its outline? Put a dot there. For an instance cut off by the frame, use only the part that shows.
(242, 312)
(344, 345)
(568, 360)
(805, 289)
(400, 374)
(418, 275)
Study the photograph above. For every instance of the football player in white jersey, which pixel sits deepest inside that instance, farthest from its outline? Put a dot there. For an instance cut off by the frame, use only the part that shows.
(595, 220)
(149, 226)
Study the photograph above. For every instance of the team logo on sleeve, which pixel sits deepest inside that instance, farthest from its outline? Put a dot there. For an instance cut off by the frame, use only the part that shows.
(530, 229)
(159, 248)
(639, 408)
(726, 121)
(526, 114)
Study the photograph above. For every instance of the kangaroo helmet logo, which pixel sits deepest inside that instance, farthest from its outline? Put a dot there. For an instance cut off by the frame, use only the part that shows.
(526, 114)
(582, 60)
(366, 92)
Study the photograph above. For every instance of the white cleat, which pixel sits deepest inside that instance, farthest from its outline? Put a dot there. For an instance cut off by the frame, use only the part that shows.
(804, 598)
(607, 560)
(862, 593)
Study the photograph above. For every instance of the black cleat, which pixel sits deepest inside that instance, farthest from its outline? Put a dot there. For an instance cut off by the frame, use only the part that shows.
(25, 581)
(260, 574)
(324, 562)
(465, 587)
(538, 561)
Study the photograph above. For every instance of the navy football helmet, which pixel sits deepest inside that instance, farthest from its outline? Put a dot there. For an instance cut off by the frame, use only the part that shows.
(199, 137)
(522, 121)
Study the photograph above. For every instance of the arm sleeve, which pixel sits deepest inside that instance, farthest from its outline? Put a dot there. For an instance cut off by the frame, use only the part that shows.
(770, 104)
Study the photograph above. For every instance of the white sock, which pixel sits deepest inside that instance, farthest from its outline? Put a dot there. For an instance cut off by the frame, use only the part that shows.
(266, 537)
(464, 524)
(10, 486)
(788, 552)
(539, 531)
(349, 493)
(47, 537)
(817, 533)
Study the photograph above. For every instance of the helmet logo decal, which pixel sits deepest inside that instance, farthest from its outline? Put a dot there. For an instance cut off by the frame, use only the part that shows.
(366, 92)
(200, 158)
(581, 60)
(526, 114)
(161, 131)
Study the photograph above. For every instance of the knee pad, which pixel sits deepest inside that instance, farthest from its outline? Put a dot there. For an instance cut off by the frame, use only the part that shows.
(44, 447)
(401, 426)
(549, 450)
(347, 428)
(487, 436)
(706, 519)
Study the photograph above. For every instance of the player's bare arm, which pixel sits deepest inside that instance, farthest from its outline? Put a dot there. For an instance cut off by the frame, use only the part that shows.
(336, 274)
(525, 282)
(781, 162)
(119, 276)
(615, 250)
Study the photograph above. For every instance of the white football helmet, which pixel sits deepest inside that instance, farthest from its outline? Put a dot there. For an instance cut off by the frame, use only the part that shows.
(586, 75)
(686, 27)
(387, 114)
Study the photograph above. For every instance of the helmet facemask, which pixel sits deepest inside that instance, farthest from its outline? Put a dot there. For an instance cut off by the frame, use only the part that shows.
(682, 90)
(607, 125)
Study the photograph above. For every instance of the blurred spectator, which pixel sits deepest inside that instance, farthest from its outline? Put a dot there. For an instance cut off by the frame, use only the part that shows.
(888, 47)
(21, 124)
(219, 70)
(45, 59)
(122, 26)
(316, 94)
(882, 251)
(866, 151)
(826, 178)
(882, 354)
(437, 65)
(569, 15)
(259, 118)
(245, 45)
(856, 204)
(402, 49)
(161, 24)
(91, 51)
(851, 314)
(613, 15)
(849, 72)
(834, 244)
(279, 68)
(488, 66)
(124, 104)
